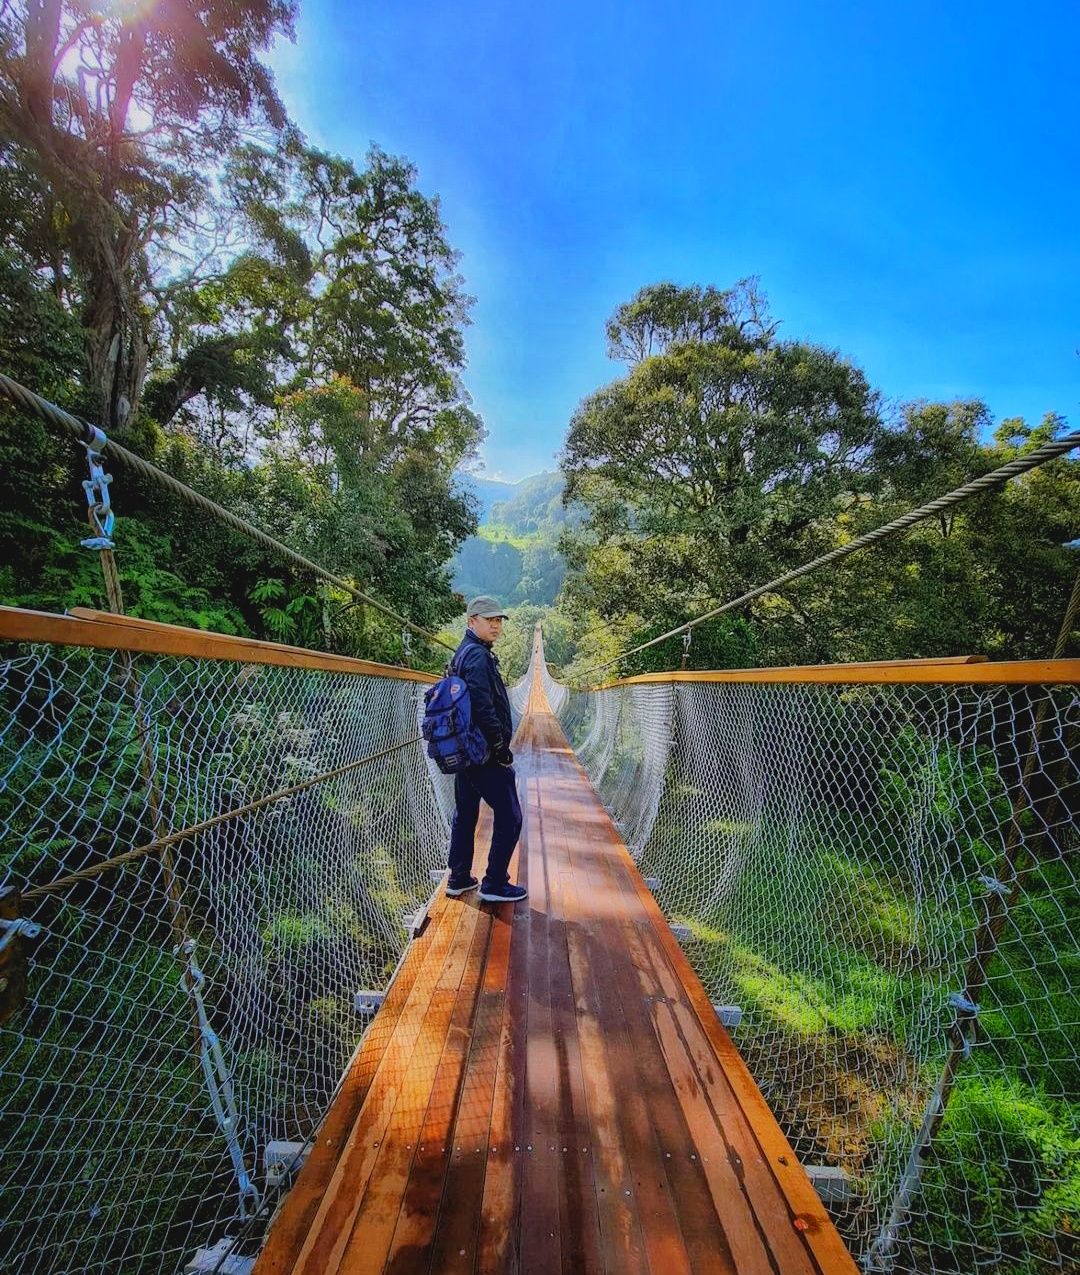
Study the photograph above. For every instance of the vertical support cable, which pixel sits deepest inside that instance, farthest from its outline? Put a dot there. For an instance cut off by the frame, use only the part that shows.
(218, 1081)
(102, 519)
(100, 515)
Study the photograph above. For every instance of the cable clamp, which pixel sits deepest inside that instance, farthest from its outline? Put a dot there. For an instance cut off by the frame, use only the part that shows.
(965, 1007)
(967, 1013)
(993, 886)
(218, 1082)
(11, 929)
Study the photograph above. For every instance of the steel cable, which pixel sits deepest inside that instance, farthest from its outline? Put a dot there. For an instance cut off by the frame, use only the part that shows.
(84, 433)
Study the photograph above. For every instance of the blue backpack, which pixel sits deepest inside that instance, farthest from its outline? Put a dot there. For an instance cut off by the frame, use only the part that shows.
(454, 742)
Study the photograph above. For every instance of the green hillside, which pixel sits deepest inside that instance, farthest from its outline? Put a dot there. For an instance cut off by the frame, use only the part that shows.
(515, 553)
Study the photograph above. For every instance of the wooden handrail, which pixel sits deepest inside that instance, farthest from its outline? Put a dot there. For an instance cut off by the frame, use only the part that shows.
(954, 669)
(105, 631)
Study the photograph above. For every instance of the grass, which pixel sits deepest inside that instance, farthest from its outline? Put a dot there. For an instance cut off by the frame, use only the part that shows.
(843, 961)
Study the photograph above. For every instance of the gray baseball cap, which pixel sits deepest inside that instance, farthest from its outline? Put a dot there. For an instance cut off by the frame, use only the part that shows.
(486, 607)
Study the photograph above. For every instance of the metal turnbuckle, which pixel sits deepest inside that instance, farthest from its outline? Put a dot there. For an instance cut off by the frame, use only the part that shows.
(218, 1082)
(102, 517)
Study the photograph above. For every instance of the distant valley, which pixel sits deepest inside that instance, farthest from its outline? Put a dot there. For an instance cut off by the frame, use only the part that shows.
(515, 554)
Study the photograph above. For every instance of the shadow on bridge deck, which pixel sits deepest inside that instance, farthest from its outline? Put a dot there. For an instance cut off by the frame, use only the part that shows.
(547, 1087)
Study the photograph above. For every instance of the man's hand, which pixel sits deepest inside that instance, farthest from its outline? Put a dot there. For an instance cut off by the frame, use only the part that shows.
(503, 755)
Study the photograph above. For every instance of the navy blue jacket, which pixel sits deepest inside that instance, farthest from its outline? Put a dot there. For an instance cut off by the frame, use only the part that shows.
(476, 663)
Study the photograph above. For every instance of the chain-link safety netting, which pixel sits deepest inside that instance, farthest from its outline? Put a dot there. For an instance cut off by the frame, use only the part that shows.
(189, 1006)
(882, 880)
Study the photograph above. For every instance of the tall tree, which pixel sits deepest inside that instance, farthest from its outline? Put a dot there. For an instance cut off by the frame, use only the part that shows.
(716, 460)
(727, 455)
(113, 115)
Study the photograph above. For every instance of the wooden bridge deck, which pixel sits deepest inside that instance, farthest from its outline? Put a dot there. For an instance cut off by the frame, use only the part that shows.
(547, 1087)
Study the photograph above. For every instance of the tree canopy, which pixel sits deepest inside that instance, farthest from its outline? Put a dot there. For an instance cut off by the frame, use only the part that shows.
(281, 327)
(727, 455)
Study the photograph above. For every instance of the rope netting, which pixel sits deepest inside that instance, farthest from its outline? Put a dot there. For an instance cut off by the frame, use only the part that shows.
(838, 857)
(192, 1004)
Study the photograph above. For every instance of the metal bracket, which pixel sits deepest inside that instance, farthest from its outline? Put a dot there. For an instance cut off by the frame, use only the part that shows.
(729, 1015)
(220, 1260)
(15, 932)
(832, 1184)
(367, 1003)
(11, 930)
(414, 921)
(283, 1159)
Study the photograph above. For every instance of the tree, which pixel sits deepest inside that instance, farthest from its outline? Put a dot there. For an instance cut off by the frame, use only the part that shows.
(113, 117)
(716, 461)
(720, 461)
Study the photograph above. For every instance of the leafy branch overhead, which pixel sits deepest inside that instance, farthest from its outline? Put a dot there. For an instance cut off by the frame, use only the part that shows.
(280, 326)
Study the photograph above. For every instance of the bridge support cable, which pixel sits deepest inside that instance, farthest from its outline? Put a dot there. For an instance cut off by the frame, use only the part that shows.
(898, 526)
(880, 864)
(91, 436)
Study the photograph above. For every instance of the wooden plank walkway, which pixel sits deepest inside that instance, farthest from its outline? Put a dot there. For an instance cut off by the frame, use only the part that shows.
(547, 1087)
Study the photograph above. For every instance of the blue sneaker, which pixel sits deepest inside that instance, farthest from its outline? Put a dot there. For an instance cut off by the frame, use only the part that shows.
(454, 888)
(503, 893)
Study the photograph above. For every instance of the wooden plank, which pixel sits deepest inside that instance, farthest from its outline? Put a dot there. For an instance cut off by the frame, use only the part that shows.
(300, 1206)
(623, 1243)
(105, 631)
(425, 1101)
(979, 672)
(703, 1088)
(705, 1245)
(443, 1234)
(816, 1227)
(497, 1239)
(579, 1219)
(411, 1242)
(539, 1222)
(728, 1139)
(332, 1227)
(644, 1170)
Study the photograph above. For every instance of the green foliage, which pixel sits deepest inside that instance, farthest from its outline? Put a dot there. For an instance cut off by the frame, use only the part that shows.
(113, 120)
(515, 554)
(1004, 1179)
(726, 456)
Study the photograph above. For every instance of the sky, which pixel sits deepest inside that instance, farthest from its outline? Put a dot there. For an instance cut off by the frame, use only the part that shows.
(904, 180)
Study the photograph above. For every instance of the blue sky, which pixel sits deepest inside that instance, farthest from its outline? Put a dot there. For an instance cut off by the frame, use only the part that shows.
(903, 178)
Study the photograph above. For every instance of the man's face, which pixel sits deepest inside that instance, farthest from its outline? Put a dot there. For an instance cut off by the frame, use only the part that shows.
(487, 630)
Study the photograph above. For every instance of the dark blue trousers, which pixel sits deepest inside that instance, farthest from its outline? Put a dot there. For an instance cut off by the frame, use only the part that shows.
(497, 786)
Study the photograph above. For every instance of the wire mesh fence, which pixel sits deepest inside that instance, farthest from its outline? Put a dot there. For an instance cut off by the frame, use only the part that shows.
(839, 855)
(189, 1005)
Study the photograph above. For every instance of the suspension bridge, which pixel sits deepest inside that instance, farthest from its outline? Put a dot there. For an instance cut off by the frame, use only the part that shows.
(792, 990)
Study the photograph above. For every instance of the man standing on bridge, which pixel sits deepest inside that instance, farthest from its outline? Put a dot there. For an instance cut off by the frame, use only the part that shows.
(493, 780)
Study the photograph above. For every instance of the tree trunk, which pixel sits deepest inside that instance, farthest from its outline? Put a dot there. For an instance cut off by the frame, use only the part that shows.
(116, 346)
